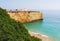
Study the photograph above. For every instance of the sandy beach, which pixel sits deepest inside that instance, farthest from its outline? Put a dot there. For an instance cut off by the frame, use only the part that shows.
(43, 37)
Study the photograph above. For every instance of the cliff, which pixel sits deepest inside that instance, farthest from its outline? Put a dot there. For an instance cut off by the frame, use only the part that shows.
(25, 16)
(10, 30)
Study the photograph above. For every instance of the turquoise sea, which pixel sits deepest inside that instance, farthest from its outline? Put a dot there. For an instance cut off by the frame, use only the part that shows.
(50, 25)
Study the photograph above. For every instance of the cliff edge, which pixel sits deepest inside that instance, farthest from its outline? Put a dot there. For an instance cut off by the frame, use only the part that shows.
(25, 16)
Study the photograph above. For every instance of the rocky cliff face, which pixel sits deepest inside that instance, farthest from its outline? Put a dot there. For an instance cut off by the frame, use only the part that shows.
(25, 16)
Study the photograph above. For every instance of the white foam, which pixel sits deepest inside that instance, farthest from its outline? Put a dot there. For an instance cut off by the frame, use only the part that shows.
(44, 35)
(38, 34)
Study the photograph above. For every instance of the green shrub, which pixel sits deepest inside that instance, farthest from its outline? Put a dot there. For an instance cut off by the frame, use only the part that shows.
(10, 30)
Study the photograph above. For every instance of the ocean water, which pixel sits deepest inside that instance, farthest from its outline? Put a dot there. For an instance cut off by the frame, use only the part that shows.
(50, 25)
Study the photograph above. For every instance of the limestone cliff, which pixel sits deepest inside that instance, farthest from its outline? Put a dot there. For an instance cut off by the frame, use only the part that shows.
(25, 16)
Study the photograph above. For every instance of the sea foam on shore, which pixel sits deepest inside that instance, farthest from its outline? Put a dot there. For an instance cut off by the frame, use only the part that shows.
(40, 36)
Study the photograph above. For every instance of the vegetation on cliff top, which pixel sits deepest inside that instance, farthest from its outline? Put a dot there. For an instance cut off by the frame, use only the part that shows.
(10, 30)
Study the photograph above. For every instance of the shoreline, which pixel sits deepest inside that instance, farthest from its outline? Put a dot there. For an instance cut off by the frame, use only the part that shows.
(40, 36)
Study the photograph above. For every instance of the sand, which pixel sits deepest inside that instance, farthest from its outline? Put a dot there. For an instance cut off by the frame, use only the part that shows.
(40, 36)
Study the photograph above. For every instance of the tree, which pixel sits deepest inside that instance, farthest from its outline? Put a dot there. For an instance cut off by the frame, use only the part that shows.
(10, 30)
